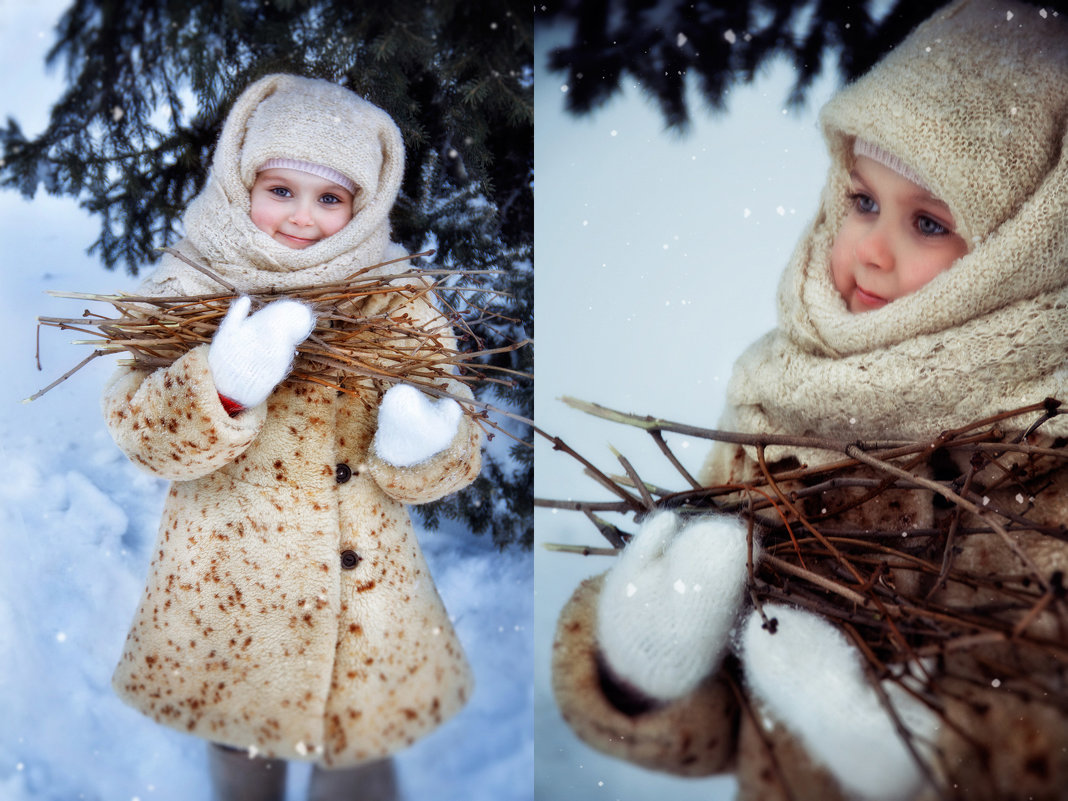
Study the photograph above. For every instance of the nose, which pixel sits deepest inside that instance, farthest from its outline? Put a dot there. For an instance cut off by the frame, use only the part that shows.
(873, 248)
(301, 215)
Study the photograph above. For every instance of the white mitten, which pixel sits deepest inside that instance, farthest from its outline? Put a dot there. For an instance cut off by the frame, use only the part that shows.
(810, 679)
(412, 428)
(668, 604)
(250, 356)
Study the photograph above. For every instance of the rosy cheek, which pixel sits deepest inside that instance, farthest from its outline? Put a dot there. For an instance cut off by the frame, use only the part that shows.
(841, 273)
(261, 218)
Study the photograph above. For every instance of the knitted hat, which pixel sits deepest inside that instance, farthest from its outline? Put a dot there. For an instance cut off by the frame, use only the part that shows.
(321, 126)
(982, 135)
(975, 102)
(312, 169)
(862, 147)
(318, 122)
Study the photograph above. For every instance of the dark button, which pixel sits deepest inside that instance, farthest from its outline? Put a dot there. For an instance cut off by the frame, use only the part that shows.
(349, 559)
(343, 473)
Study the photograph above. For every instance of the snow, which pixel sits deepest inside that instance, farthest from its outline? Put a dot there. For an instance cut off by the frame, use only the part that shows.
(77, 520)
(608, 334)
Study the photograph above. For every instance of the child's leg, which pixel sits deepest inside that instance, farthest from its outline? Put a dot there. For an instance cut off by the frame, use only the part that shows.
(371, 781)
(236, 777)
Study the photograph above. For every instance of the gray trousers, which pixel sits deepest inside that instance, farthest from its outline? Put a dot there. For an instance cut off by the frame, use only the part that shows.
(236, 777)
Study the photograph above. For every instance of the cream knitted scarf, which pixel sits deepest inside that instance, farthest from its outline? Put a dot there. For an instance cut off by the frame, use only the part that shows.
(976, 101)
(285, 116)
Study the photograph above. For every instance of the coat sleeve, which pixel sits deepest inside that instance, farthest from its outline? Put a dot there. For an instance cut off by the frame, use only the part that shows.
(170, 421)
(692, 736)
(457, 465)
(448, 471)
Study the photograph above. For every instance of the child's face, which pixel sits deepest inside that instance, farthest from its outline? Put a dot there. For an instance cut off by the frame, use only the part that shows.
(297, 208)
(895, 239)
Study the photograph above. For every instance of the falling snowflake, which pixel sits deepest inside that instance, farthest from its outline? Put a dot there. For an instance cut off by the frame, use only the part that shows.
(729, 36)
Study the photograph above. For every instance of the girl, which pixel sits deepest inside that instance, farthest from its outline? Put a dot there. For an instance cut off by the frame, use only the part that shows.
(289, 612)
(929, 292)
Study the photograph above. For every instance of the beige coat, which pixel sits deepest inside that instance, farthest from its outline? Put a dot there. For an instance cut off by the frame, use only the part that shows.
(286, 611)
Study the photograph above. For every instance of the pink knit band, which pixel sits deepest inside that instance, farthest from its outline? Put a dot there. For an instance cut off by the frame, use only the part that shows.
(862, 147)
(311, 168)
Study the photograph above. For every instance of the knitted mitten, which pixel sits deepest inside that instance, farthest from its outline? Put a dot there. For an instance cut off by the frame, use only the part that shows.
(412, 428)
(668, 604)
(809, 678)
(250, 356)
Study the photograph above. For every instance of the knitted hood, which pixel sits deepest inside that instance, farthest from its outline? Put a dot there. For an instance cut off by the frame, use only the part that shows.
(975, 100)
(286, 116)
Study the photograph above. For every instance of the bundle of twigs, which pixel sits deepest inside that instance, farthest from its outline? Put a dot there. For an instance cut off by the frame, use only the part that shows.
(346, 351)
(814, 557)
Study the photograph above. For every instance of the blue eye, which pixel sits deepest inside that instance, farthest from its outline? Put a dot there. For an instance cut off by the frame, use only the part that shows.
(929, 227)
(330, 199)
(280, 191)
(863, 203)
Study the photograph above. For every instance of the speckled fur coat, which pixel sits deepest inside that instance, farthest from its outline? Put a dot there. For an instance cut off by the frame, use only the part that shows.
(288, 608)
(253, 631)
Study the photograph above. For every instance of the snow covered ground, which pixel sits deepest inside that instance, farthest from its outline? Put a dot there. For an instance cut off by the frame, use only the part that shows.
(77, 519)
(658, 258)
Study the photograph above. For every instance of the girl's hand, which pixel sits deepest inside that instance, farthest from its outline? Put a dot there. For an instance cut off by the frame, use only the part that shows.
(809, 679)
(412, 428)
(668, 605)
(251, 355)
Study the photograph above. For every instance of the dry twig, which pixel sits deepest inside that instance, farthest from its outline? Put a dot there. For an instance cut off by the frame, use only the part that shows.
(348, 351)
(898, 593)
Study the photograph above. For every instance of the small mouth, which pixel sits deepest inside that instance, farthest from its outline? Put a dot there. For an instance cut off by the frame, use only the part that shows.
(296, 240)
(869, 299)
